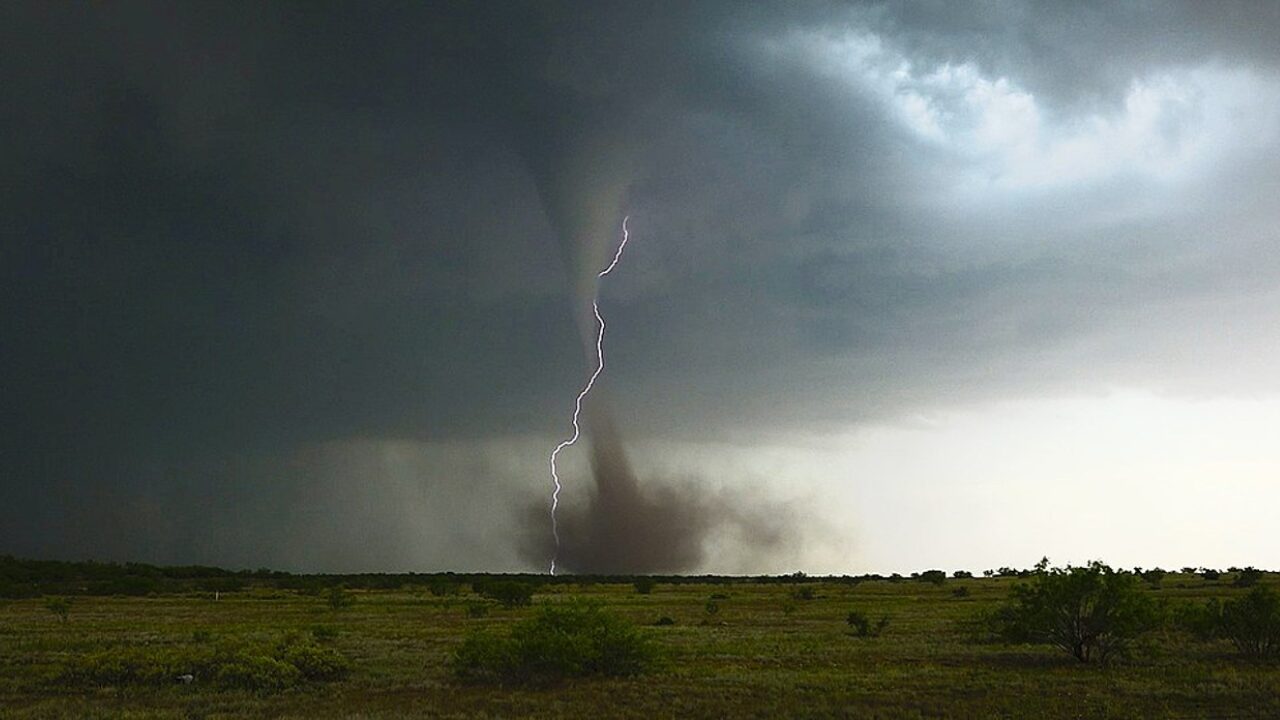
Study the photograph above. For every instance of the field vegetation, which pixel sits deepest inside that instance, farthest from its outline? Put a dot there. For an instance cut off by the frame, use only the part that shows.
(100, 640)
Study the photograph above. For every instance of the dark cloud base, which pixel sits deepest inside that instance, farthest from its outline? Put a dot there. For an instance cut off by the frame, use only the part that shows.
(230, 232)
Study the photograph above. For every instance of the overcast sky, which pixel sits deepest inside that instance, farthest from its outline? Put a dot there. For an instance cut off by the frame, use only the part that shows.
(922, 285)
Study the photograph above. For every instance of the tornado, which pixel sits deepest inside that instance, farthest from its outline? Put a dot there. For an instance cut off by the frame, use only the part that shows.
(580, 139)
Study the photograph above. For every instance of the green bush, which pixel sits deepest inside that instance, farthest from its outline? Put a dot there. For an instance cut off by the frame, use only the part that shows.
(1251, 623)
(507, 592)
(574, 640)
(314, 662)
(934, 577)
(121, 666)
(1247, 577)
(1154, 576)
(1091, 612)
(324, 633)
(862, 625)
(256, 672)
(339, 599)
(224, 666)
(644, 584)
(477, 609)
(59, 606)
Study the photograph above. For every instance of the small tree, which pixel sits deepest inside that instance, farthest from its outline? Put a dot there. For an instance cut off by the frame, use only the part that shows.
(1248, 577)
(644, 584)
(1092, 612)
(1251, 623)
(862, 625)
(934, 577)
(1154, 576)
(59, 606)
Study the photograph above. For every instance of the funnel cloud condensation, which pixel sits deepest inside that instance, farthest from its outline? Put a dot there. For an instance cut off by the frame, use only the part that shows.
(626, 526)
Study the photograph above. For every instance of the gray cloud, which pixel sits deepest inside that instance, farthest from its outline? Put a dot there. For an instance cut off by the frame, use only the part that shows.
(237, 236)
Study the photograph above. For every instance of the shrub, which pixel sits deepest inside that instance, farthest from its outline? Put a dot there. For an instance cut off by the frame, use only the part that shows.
(935, 577)
(1092, 612)
(507, 592)
(313, 661)
(1210, 574)
(227, 665)
(862, 625)
(59, 606)
(324, 633)
(256, 672)
(644, 585)
(339, 599)
(664, 621)
(574, 640)
(1251, 623)
(960, 592)
(961, 574)
(803, 593)
(1154, 576)
(477, 609)
(1247, 577)
(440, 587)
(712, 607)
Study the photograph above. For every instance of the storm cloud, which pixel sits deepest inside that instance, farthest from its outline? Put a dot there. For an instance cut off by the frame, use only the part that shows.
(280, 278)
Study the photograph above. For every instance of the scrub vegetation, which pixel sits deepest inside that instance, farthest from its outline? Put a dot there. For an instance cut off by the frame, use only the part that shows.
(1073, 642)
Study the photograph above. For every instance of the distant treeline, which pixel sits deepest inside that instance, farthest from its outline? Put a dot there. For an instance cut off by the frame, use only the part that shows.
(30, 578)
(21, 578)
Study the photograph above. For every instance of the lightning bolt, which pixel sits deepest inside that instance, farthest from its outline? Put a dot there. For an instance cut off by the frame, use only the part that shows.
(577, 404)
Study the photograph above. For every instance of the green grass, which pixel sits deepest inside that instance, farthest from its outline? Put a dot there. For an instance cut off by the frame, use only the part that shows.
(763, 654)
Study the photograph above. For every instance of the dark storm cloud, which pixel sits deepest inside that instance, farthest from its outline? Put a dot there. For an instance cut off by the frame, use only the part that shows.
(235, 232)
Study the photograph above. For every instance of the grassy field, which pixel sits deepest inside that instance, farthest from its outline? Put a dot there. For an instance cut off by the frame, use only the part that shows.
(765, 652)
